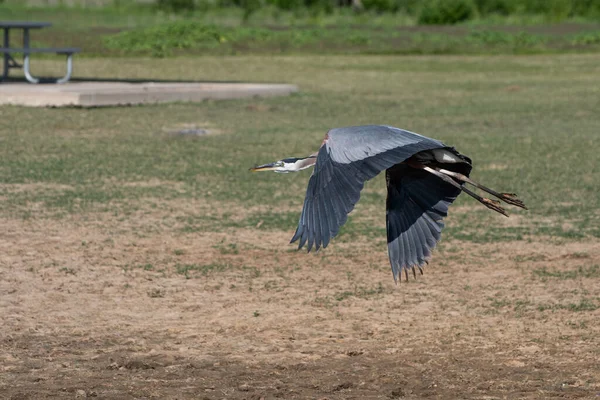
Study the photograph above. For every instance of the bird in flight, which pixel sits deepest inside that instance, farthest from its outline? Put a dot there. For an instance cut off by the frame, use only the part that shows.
(423, 176)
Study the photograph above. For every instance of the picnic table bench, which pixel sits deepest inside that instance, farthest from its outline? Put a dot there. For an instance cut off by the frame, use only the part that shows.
(7, 51)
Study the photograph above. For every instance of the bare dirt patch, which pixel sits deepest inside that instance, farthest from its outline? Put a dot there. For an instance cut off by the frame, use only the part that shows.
(196, 129)
(30, 187)
(91, 307)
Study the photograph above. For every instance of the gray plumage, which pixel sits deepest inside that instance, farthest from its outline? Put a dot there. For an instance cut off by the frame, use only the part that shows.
(416, 202)
(423, 176)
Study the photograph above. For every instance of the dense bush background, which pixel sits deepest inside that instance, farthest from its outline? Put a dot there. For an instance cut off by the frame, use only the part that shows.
(425, 11)
(446, 12)
(231, 27)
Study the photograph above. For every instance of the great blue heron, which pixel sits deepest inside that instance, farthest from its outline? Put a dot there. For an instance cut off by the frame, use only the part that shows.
(423, 175)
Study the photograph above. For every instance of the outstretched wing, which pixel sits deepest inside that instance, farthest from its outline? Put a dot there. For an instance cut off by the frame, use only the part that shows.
(348, 158)
(416, 204)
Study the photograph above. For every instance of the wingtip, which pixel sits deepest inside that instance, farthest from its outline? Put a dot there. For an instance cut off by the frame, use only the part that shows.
(296, 236)
(397, 273)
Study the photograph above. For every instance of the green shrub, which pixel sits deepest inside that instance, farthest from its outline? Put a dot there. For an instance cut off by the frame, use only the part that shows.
(313, 6)
(176, 5)
(316, 6)
(500, 7)
(287, 4)
(159, 40)
(446, 12)
(380, 6)
(586, 39)
(410, 7)
(585, 8)
(490, 38)
(556, 9)
(250, 7)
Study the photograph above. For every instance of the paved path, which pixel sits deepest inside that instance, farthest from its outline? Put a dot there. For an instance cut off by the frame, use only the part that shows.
(92, 94)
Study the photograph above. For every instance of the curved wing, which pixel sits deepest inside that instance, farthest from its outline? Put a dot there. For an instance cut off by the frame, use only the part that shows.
(416, 204)
(348, 158)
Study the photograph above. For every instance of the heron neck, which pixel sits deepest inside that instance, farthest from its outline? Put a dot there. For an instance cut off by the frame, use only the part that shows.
(305, 162)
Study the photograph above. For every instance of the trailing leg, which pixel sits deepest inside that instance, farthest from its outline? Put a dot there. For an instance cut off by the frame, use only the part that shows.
(509, 198)
(489, 203)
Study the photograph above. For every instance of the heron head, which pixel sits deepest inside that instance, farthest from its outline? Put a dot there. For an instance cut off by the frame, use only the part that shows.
(286, 165)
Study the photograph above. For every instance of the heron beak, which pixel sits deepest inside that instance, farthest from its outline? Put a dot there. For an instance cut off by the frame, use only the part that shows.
(265, 167)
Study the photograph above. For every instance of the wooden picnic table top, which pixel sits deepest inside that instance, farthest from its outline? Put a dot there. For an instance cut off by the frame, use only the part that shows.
(24, 24)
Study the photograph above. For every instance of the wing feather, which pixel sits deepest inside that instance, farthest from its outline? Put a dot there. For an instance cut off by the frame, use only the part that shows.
(358, 143)
(336, 201)
(412, 254)
(420, 241)
(348, 158)
(323, 233)
(417, 202)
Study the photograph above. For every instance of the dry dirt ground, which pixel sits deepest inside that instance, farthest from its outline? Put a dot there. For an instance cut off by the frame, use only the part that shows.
(132, 307)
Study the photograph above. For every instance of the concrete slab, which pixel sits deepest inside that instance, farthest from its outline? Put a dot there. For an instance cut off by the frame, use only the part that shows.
(94, 94)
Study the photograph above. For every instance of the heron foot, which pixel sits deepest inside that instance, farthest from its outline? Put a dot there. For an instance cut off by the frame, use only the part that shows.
(494, 205)
(511, 198)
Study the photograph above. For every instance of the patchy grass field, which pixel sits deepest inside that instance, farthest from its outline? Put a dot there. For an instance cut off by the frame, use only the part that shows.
(135, 263)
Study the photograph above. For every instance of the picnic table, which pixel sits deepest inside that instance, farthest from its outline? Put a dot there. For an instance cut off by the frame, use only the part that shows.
(7, 51)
